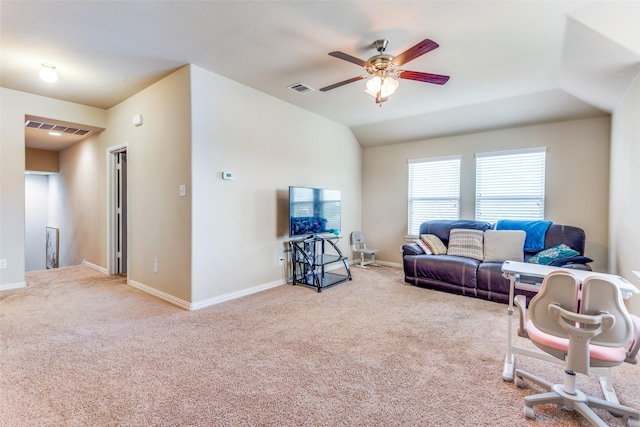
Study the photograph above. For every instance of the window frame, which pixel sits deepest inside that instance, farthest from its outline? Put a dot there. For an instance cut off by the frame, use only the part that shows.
(439, 196)
(527, 184)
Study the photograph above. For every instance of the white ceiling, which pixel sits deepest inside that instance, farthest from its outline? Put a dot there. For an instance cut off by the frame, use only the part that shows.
(511, 63)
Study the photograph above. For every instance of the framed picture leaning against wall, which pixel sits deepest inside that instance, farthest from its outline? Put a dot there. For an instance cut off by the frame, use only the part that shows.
(52, 247)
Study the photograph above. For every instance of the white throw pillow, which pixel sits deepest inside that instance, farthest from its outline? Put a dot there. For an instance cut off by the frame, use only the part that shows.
(503, 245)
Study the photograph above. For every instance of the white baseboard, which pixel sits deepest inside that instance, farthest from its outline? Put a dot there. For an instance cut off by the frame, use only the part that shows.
(10, 286)
(221, 298)
(390, 264)
(204, 303)
(233, 295)
(162, 295)
(94, 266)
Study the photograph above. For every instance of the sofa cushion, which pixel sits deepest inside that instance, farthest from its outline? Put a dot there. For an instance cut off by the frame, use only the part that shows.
(491, 280)
(503, 245)
(552, 254)
(466, 243)
(435, 244)
(457, 270)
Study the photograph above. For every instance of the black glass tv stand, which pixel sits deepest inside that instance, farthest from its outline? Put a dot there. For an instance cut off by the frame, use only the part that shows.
(310, 257)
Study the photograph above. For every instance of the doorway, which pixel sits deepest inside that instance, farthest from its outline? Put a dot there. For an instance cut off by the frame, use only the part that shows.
(117, 210)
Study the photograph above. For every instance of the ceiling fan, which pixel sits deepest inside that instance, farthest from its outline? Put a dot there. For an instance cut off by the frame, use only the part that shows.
(382, 68)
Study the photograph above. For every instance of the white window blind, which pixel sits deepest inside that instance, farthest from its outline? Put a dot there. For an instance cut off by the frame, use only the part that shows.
(434, 191)
(510, 185)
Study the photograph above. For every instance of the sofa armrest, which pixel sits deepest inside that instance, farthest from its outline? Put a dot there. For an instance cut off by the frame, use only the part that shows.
(411, 249)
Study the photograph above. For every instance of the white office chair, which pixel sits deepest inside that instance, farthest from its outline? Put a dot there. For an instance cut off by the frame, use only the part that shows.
(358, 245)
(586, 327)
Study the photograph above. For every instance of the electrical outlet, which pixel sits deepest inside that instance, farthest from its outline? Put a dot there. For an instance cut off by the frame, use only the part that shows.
(281, 261)
(3, 264)
(155, 265)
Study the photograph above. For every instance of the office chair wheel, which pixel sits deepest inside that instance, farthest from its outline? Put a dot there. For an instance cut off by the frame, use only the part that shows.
(519, 382)
(529, 412)
(633, 422)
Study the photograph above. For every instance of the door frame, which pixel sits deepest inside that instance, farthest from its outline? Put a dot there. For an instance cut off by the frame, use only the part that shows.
(111, 217)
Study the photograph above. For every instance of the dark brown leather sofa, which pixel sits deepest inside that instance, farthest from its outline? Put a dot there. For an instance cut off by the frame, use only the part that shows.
(468, 276)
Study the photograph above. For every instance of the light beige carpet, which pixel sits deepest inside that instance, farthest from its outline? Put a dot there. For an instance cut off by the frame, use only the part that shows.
(82, 349)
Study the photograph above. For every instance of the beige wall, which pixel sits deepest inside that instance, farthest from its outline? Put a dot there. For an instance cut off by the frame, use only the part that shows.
(78, 205)
(41, 160)
(576, 184)
(158, 162)
(14, 106)
(625, 193)
(240, 226)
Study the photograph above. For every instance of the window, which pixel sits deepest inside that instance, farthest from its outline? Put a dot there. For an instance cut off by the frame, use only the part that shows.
(510, 185)
(434, 191)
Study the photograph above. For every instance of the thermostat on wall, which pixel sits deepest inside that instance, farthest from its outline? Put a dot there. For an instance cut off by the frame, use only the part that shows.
(137, 120)
(228, 175)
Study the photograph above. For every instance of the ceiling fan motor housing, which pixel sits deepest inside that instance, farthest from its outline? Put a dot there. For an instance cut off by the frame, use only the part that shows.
(381, 62)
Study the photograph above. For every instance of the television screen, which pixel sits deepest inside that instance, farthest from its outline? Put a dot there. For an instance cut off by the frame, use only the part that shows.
(313, 211)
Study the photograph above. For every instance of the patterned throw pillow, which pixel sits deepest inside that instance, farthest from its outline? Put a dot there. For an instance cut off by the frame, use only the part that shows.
(424, 247)
(434, 243)
(466, 243)
(556, 252)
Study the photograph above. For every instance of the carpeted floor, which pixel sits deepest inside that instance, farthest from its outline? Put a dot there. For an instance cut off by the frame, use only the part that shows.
(79, 348)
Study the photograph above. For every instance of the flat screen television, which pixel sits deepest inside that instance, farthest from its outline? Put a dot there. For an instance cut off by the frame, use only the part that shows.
(313, 211)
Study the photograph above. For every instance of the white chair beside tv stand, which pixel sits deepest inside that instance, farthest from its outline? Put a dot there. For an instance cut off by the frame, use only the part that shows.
(359, 245)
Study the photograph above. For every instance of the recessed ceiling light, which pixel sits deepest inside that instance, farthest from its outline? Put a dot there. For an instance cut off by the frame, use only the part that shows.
(48, 73)
(55, 133)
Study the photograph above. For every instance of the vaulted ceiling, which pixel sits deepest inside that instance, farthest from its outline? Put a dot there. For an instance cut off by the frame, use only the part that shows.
(511, 63)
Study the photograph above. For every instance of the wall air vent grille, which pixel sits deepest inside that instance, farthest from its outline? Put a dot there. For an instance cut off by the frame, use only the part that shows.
(301, 88)
(55, 128)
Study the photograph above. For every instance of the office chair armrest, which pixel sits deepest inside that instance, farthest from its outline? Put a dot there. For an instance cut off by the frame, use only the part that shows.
(632, 354)
(521, 302)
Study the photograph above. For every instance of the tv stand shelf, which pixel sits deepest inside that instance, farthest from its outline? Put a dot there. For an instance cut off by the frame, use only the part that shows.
(309, 260)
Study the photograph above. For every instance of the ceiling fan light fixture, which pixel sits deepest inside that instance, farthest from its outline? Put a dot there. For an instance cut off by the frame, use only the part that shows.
(48, 73)
(386, 86)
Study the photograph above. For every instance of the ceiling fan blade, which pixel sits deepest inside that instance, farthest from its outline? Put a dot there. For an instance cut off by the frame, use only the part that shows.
(438, 79)
(412, 53)
(347, 57)
(342, 83)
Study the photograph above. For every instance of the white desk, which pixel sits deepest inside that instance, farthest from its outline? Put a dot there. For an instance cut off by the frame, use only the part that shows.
(528, 276)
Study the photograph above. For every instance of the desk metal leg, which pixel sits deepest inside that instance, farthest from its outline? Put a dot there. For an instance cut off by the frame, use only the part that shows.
(509, 359)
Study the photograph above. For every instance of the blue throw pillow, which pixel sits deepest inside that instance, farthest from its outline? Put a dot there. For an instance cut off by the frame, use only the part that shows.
(557, 252)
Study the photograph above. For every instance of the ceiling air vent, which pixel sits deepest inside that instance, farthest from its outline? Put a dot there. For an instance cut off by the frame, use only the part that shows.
(56, 128)
(301, 88)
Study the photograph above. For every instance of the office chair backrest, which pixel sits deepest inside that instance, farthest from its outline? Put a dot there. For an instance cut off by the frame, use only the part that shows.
(357, 238)
(601, 295)
(558, 287)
